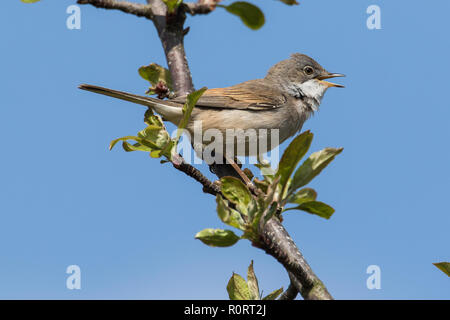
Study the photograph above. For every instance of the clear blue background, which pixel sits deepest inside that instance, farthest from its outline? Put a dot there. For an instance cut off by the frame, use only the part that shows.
(129, 222)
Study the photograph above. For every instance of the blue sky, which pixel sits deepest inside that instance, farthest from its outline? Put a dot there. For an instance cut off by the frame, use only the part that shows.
(129, 222)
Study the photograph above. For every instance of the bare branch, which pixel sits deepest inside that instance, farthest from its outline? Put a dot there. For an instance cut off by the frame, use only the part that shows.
(140, 10)
(208, 186)
(291, 292)
(277, 242)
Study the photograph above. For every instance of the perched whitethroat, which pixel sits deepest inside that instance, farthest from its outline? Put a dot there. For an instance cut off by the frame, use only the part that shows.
(283, 100)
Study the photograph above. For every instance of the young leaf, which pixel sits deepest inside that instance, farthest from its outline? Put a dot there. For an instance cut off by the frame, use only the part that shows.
(191, 101)
(261, 184)
(135, 147)
(114, 142)
(273, 295)
(151, 119)
(217, 237)
(252, 283)
(228, 215)
(292, 156)
(444, 267)
(237, 288)
(315, 207)
(270, 212)
(252, 209)
(250, 14)
(266, 169)
(172, 5)
(154, 136)
(257, 215)
(313, 166)
(29, 1)
(235, 191)
(303, 195)
(155, 73)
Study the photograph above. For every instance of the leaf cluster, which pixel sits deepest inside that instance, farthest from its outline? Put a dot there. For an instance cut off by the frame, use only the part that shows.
(155, 139)
(239, 289)
(239, 207)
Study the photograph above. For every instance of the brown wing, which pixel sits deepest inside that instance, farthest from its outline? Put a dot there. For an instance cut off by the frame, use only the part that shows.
(252, 95)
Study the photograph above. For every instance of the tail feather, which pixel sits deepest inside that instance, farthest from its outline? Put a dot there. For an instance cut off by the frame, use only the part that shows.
(169, 110)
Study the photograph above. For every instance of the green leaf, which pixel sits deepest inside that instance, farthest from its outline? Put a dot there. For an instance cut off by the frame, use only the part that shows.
(154, 73)
(292, 156)
(303, 195)
(217, 237)
(274, 295)
(250, 14)
(191, 101)
(315, 207)
(261, 207)
(29, 1)
(237, 288)
(252, 283)
(151, 119)
(172, 5)
(114, 142)
(290, 2)
(444, 267)
(228, 215)
(270, 212)
(135, 147)
(313, 166)
(235, 191)
(252, 209)
(261, 184)
(153, 139)
(154, 136)
(266, 169)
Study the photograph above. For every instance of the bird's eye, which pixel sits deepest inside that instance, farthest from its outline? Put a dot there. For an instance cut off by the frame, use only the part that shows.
(308, 70)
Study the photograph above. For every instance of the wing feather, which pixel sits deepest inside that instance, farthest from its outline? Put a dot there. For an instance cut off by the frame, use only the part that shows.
(251, 95)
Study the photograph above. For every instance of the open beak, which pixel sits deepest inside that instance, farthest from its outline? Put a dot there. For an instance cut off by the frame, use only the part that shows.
(328, 76)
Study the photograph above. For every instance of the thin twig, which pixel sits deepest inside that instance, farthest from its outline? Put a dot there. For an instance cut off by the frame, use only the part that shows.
(138, 9)
(208, 186)
(290, 294)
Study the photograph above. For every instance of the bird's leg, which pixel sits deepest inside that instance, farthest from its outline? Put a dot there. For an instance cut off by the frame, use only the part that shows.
(243, 176)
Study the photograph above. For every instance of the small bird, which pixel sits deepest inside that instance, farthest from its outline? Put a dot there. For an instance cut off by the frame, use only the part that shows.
(283, 100)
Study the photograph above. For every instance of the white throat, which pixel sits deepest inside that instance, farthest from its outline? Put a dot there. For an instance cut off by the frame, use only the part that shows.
(311, 91)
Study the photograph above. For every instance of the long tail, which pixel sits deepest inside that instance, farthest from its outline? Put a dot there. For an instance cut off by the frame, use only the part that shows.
(169, 110)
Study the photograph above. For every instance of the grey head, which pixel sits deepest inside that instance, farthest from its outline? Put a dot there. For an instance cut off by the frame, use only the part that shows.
(302, 77)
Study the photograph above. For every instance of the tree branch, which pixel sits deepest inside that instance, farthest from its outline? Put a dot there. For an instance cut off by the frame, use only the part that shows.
(140, 10)
(208, 186)
(171, 32)
(275, 240)
(291, 292)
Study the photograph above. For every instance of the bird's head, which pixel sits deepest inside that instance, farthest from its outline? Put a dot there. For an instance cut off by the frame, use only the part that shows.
(302, 77)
